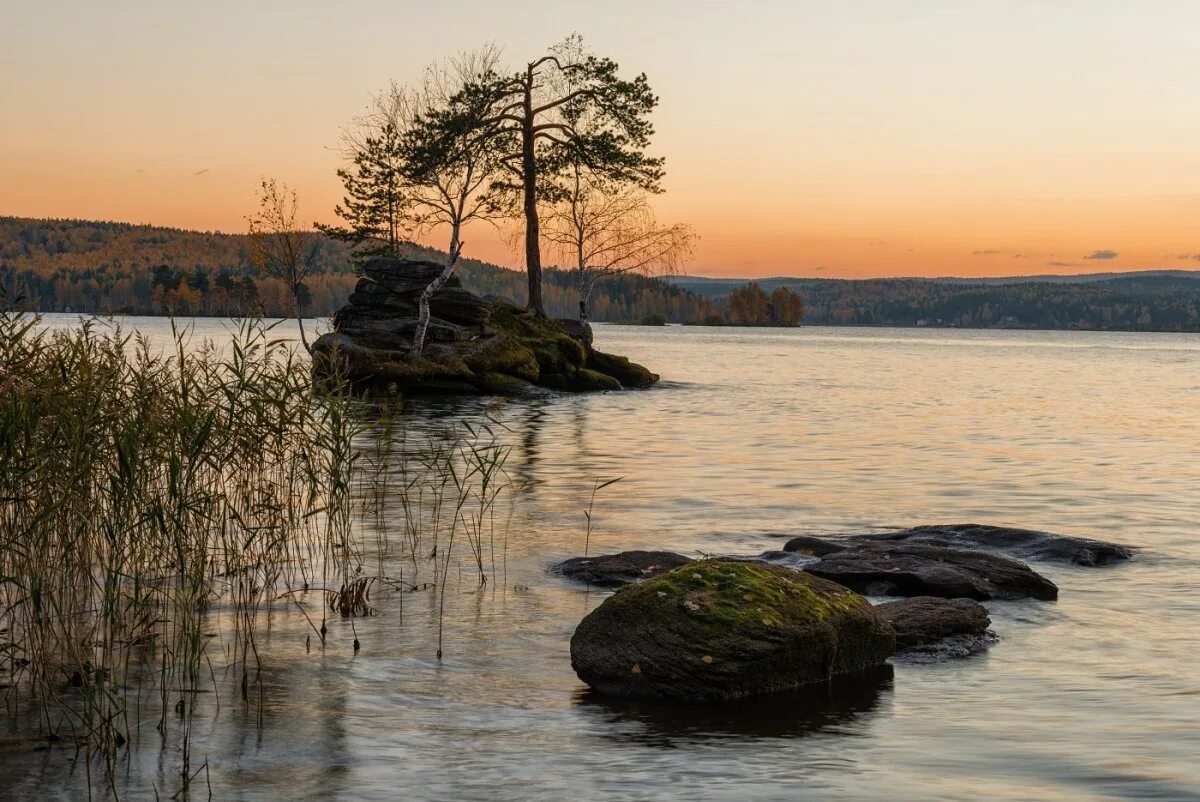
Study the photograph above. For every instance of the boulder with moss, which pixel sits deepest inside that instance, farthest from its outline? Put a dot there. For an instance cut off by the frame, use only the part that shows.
(473, 345)
(723, 629)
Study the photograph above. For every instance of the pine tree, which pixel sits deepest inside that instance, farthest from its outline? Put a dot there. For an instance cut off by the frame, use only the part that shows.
(374, 204)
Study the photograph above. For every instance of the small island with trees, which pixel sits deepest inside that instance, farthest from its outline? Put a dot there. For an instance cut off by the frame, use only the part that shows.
(561, 142)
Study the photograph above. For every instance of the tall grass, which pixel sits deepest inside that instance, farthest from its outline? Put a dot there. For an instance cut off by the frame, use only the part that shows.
(155, 507)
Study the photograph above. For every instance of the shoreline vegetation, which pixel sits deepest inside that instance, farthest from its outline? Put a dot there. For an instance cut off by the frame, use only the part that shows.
(102, 268)
(161, 509)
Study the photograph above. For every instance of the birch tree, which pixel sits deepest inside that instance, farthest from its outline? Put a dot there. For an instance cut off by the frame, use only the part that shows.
(452, 150)
(604, 231)
(279, 248)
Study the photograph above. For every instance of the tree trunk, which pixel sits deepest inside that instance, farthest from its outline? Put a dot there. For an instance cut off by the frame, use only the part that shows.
(533, 251)
(418, 343)
(300, 319)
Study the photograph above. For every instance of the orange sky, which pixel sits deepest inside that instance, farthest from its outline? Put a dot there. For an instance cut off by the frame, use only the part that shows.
(974, 137)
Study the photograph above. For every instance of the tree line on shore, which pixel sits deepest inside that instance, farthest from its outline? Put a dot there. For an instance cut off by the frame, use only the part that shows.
(1124, 303)
(120, 268)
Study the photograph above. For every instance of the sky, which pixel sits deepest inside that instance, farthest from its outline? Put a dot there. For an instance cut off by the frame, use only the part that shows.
(843, 139)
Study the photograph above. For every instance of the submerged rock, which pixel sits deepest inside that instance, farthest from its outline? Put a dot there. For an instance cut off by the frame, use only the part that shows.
(882, 568)
(623, 568)
(1026, 543)
(473, 345)
(721, 629)
(812, 546)
(923, 622)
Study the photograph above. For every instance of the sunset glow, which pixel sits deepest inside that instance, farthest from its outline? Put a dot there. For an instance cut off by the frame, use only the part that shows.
(850, 139)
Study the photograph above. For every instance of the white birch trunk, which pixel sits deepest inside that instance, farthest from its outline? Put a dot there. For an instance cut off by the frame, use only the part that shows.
(418, 343)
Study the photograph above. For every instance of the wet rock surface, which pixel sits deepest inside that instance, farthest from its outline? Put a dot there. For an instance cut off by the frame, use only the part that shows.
(917, 569)
(723, 629)
(473, 345)
(623, 568)
(923, 622)
(1030, 544)
(1025, 543)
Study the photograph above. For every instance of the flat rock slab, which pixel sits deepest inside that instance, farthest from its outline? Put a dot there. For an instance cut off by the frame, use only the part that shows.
(724, 629)
(923, 622)
(623, 568)
(883, 568)
(1028, 544)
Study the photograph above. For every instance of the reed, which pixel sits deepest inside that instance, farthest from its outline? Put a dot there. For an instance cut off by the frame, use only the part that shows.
(157, 505)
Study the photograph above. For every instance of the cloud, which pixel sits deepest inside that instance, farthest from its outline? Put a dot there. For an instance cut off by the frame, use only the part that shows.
(1009, 254)
(1101, 255)
(1195, 256)
(201, 172)
(1063, 264)
(820, 268)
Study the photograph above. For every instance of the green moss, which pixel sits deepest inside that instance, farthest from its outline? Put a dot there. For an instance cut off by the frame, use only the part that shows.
(629, 374)
(729, 594)
(554, 350)
(504, 354)
(580, 380)
(503, 384)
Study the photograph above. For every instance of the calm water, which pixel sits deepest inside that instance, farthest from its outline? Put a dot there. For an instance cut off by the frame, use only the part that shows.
(754, 436)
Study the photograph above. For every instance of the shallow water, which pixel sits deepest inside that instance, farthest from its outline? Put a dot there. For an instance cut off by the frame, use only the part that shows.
(754, 436)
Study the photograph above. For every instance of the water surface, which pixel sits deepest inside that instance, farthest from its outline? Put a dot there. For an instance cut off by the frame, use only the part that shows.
(756, 435)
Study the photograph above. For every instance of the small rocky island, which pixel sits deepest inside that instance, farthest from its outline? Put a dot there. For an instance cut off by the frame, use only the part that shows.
(475, 345)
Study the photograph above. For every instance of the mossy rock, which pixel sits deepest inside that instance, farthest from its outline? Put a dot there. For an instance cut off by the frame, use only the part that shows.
(556, 351)
(504, 356)
(722, 629)
(503, 353)
(631, 375)
(581, 380)
(506, 385)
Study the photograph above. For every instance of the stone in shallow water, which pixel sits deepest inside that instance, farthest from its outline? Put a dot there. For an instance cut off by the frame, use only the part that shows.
(1025, 543)
(813, 546)
(924, 622)
(880, 568)
(623, 568)
(723, 629)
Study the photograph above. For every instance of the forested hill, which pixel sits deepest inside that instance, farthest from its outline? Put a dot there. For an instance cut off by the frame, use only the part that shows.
(98, 267)
(85, 266)
(1148, 301)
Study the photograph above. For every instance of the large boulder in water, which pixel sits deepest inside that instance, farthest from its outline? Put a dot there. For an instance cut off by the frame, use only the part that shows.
(881, 568)
(922, 623)
(622, 568)
(721, 629)
(472, 346)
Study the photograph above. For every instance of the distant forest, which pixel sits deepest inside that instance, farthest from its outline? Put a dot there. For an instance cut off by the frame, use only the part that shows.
(1162, 300)
(115, 268)
(1125, 303)
(120, 268)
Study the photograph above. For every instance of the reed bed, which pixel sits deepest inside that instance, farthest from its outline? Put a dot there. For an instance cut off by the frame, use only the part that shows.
(157, 505)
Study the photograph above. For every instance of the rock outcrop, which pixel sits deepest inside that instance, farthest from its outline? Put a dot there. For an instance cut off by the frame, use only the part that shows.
(882, 568)
(473, 345)
(925, 624)
(722, 629)
(623, 568)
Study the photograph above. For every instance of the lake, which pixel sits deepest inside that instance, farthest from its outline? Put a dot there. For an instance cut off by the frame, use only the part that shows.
(754, 436)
